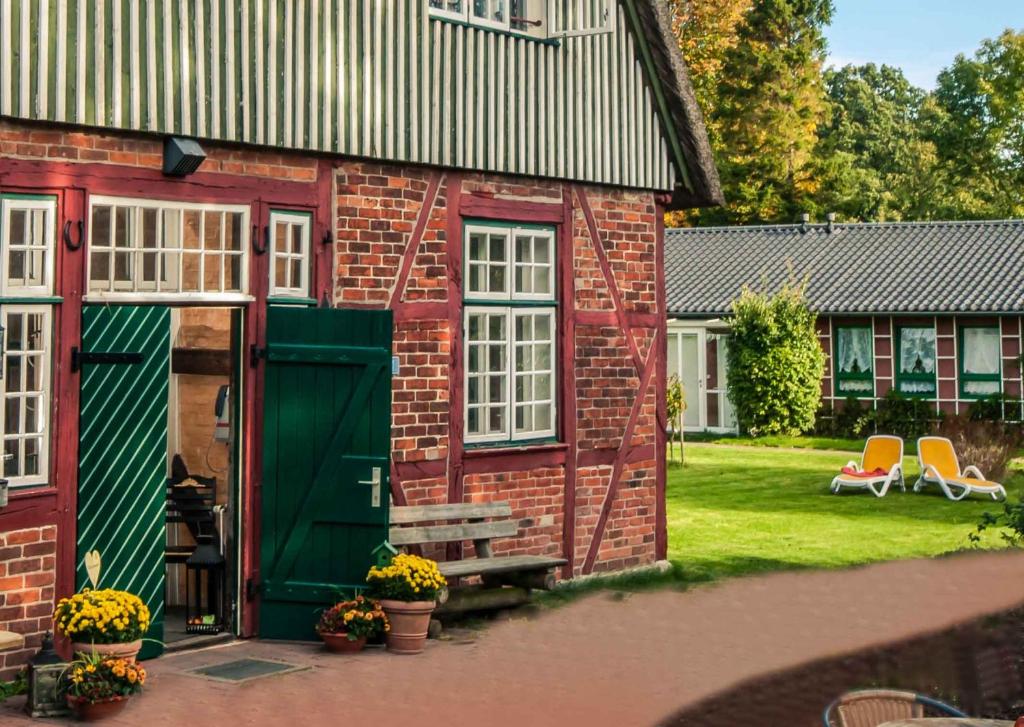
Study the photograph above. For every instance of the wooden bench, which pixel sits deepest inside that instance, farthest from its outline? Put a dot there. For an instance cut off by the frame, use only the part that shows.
(507, 579)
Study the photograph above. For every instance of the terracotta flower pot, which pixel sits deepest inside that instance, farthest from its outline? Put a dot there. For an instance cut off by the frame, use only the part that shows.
(95, 711)
(340, 644)
(409, 623)
(127, 650)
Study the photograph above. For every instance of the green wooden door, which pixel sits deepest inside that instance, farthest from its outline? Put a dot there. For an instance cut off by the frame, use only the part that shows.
(125, 368)
(326, 454)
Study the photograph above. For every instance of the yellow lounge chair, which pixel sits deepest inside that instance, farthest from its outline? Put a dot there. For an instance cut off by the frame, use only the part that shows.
(881, 451)
(939, 466)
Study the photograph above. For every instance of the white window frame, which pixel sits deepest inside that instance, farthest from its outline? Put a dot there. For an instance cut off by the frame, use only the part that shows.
(476, 229)
(137, 290)
(515, 304)
(47, 205)
(44, 308)
(485, 22)
(45, 354)
(606, 24)
(547, 234)
(466, 15)
(504, 434)
(462, 15)
(304, 220)
(550, 17)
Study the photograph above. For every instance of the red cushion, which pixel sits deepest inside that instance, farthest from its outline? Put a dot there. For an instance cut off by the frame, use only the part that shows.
(877, 472)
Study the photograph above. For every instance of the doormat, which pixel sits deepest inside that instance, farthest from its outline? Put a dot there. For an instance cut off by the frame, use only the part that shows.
(243, 670)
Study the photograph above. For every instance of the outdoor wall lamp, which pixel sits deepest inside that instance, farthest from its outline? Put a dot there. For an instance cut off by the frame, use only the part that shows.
(182, 156)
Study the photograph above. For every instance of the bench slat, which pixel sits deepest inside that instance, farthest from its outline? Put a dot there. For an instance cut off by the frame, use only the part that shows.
(500, 564)
(452, 533)
(410, 514)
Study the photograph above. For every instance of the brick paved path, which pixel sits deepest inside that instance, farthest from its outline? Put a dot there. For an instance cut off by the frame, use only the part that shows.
(602, 661)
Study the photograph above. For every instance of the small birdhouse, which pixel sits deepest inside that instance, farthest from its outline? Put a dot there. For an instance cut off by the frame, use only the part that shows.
(382, 554)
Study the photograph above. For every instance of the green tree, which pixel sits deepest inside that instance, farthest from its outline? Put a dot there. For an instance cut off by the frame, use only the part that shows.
(706, 30)
(977, 125)
(873, 160)
(770, 102)
(775, 361)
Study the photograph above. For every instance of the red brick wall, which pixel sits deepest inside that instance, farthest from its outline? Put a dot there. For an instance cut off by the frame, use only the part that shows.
(379, 207)
(947, 354)
(23, 141)
(27, 575)
(377, 210)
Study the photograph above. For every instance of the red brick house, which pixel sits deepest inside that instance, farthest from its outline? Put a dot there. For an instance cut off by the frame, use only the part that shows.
(932, 310)
(292, 253)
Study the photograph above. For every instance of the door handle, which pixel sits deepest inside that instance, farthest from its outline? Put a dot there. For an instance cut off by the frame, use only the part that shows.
(374, 482)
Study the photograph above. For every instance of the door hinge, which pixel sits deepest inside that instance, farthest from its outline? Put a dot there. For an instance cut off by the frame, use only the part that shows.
(253, 588)
(255, 354)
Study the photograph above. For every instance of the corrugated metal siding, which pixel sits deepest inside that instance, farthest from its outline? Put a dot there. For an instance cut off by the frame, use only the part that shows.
(373, 78)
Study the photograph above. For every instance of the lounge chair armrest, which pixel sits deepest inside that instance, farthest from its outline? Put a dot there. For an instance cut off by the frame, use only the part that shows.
(972, 471)
(932, 473)
(852, 463)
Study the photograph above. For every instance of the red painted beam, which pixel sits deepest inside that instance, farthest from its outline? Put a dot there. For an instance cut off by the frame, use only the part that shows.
(609, 277)
(567, 367)
(511, 210)
(611, 318)
(70, 285)
(489, 461)
(453, 237)
(426, 311)
(31, 509)
(414, 239)
(620, 460)
(127, 181)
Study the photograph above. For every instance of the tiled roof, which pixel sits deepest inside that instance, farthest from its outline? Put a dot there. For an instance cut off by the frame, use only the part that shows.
(889, 267)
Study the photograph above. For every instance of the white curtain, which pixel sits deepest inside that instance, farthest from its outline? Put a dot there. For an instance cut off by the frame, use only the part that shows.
(981, 351)
(917, 351)
(854, 350)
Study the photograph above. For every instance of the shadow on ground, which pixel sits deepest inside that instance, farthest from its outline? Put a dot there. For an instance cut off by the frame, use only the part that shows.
(978, 667)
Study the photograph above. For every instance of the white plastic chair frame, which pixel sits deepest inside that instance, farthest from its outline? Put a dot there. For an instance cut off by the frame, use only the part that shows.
(878, 486)
(930, 475)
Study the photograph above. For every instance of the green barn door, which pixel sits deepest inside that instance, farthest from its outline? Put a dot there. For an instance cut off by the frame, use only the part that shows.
(125, 365)
(326, 453)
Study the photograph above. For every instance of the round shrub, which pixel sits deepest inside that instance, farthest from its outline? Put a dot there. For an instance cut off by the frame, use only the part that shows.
(775, 362)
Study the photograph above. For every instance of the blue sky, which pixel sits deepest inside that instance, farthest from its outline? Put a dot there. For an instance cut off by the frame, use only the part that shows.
(920, 36)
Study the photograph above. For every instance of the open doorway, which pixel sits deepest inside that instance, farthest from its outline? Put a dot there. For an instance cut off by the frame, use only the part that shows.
(202, 476)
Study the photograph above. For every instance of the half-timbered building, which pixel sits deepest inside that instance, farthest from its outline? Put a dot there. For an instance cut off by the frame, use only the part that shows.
(296, 255)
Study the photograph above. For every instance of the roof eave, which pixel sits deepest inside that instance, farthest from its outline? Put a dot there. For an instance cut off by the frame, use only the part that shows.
(701, 186)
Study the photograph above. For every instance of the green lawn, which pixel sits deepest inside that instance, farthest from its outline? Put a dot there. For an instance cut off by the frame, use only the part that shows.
(735, 510)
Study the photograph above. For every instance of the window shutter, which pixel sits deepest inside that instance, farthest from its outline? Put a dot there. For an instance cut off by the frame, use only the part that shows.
(576, 18)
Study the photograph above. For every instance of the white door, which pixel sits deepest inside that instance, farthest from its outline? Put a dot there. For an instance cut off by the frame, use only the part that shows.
(718, 414)
(684, 360)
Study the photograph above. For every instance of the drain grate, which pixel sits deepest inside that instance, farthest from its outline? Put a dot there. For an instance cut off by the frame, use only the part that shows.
(243, 670)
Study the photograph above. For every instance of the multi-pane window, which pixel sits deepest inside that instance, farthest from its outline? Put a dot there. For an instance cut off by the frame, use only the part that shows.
(980, 365)
(28, 245)
(26, 386)
(167, 248)
(289, 254)
(510, 325)
(915, 363)
(854, 361)
(537, 18)
(27, 234)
